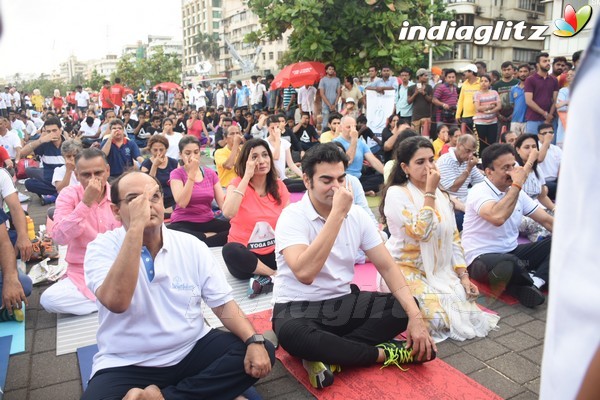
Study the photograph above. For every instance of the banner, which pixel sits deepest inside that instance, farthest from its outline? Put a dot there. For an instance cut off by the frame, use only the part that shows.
(379, 108)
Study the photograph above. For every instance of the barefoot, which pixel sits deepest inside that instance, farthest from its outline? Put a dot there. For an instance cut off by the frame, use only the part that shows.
(152, 392)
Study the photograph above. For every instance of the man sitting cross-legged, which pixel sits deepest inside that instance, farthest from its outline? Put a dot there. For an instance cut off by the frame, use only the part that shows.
(493, 213)
(82, 212)
(149, 282)
(318, 315)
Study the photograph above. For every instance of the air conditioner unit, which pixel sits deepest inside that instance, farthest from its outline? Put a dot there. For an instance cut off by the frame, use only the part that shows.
(478, 10)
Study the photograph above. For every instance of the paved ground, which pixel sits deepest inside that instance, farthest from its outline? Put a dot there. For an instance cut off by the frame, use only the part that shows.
(507, 361)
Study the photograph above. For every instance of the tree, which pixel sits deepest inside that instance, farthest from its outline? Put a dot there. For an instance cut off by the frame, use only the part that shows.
(45, 85)
(158, 67)
(208, 45)
(95, 81)
(352, 36)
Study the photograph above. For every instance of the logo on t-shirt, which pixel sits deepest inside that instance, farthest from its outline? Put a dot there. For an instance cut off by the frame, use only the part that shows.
(262, 236)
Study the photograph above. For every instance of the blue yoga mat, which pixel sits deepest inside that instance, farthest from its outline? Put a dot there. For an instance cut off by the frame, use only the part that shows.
(5, 342)
(85, 355)
(17, 331)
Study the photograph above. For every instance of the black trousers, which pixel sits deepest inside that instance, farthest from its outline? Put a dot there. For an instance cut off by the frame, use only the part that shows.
(295, 185)
(343, 330)
(241, 262)
(214, 369)
(198, 229)
(513, 268)
(371, 182)
(488, 135)
(551, 184)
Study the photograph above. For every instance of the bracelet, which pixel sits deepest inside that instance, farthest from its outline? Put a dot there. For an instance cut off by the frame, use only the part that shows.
(430, 195)
(239, 192)
(463, 274)
(516, 185)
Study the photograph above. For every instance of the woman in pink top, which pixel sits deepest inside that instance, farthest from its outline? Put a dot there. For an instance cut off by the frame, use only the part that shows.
(253, 204)
(487, 104)
(196, 128)
(194, 189)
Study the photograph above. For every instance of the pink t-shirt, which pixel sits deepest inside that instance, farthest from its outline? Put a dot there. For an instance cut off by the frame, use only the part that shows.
(490, 98)
(254, 224)
(199, 208)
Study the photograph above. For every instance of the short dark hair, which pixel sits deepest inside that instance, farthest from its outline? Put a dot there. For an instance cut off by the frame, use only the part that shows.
(188, 139)
(481, 64)
(53, 121)
(334, 116)
(507, 64)
(329, 65)
(523, 66)
(407, 70)
(114, 186)
(104, 82)
(559, 59)
(544, 126)
(305, 114)
(493, 152)
(273, 119)
(577, 55)
(322, 153)
(452, 131)
(90, 153)
(361, 119)
(495, 74)
(117, 80)
(449, 71)
(537, 58)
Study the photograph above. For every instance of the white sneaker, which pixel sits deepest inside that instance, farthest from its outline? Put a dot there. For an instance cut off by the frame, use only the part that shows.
(23, 197)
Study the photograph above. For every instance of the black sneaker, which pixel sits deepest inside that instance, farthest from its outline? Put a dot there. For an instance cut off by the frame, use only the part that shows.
(529, 296)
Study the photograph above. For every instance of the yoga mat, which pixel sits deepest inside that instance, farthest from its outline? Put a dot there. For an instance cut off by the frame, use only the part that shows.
(85, 356)
(17, 331)
(75, 331)
(295, 197)
(249, 306)
(432, 380)
(491, 297)
(373, 201)
(5, 342)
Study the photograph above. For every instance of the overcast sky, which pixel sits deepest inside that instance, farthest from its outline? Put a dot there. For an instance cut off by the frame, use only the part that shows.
(40, 34)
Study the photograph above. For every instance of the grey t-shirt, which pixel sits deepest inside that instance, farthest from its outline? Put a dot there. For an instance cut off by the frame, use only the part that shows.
(331, 85)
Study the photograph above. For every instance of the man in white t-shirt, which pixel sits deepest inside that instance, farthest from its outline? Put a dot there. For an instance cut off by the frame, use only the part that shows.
(149, 282)
(318, 315)
(9, 139)
(83, 99)
(493, 213)
(257, 90)
(549, 158)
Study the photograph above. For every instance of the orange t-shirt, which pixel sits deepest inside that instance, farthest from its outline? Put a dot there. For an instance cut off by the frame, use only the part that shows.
(254, 224)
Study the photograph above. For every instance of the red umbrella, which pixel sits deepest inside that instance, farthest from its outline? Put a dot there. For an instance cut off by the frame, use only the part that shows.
(299, 74)
(168, 86)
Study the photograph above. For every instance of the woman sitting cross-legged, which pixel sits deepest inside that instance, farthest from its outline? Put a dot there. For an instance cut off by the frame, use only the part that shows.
(194, 189)
(254, 202)
(426, 245)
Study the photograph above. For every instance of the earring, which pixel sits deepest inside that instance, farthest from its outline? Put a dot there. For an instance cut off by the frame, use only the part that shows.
(407, 176)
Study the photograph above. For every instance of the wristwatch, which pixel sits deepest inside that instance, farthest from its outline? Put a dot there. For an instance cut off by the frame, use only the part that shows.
(255, 339)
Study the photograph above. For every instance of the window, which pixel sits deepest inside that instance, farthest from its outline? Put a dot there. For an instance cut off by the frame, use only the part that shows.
(217, 14)
(534, 5)
(279, 54)
(216, 3)
(264, 56)
(271, 55)
(215, 25)
(479, 52)
(465, 19)
(524, 55)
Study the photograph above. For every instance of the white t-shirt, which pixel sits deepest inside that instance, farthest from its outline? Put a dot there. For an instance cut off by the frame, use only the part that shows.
(551, 164)
(573, 321)
(7, 187)
(173, 150)
(482, 237)
(17, 99)
(10, 141)
(220, 98)
(18, 124)
(280, 163)
(164, 320)
(83, 98)
(299, 223)
(89, 131)
(59, 175)
(257, 93)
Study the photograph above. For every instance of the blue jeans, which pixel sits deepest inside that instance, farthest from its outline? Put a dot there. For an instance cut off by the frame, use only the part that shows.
(325, 115)
(531, 127)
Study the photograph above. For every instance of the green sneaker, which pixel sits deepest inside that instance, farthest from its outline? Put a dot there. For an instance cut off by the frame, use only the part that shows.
(396, 353)
(320, 374)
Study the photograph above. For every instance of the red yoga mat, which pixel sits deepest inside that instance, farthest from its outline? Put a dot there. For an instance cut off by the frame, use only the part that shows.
(433, 380)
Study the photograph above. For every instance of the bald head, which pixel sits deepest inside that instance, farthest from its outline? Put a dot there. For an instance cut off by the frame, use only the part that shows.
(347, 124)
(466, 140)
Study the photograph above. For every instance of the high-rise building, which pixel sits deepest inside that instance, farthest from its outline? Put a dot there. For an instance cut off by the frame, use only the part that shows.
(475, 13)
(198, 16)
(71, 68)
(561, 46)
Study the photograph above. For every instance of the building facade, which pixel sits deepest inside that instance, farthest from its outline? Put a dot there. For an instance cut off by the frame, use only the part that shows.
(71, 69)
(560, 46)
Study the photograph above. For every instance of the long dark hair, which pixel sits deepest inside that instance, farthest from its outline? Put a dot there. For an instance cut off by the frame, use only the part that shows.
(240, 166)
(518, 143)
(403, 154)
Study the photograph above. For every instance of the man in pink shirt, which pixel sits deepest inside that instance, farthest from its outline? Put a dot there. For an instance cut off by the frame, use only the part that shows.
(82, 212)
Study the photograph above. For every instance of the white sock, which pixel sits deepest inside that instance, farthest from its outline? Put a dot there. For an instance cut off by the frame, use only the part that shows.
(538, 282)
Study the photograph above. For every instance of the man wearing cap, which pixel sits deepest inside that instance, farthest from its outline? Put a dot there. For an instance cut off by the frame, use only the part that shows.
(420, 96)
(465, 108)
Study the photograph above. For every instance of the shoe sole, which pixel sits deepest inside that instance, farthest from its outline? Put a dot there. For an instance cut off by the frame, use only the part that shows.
(321, 379)
(529, 297)
(257, 289)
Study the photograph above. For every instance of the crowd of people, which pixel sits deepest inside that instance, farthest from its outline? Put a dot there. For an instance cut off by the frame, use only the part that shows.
(142, 187)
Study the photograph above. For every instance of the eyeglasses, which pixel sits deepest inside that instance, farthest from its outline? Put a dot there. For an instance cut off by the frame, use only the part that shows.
(546, 133)
(156, 197)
